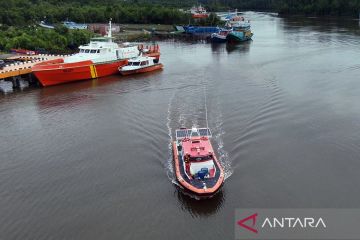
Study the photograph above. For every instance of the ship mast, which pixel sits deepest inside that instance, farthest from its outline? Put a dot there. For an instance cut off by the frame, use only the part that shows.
(110, 29)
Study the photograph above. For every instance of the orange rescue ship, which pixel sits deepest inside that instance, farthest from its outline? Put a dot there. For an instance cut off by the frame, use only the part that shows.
(197, 168)
(101, 57)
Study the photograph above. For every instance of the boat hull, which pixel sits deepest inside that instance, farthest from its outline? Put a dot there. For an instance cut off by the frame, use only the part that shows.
(218, 39)
(142, 70)
(200, 15)
(201, 29)
(239, 36)
(192, 185)
(57, 72)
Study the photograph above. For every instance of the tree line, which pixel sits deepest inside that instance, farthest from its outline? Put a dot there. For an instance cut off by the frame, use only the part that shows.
(58, 40)
(22, 12)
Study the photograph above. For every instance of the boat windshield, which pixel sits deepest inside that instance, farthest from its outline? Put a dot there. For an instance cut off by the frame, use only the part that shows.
(89, 51)
(202, 158)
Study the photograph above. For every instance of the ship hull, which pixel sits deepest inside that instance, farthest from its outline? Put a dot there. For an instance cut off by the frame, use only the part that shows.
(200, 15)
(195, 187)
(218, 38)
(142, 70)
(57, 72)
(236, 37)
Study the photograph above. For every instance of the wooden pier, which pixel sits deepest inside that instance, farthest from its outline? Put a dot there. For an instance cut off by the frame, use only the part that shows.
(22, 68)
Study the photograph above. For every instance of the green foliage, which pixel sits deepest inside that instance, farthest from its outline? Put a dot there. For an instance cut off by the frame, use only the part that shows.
(54, 41)
(22, 12)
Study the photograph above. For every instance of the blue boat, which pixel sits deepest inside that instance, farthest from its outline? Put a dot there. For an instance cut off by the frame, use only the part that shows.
(201, 30)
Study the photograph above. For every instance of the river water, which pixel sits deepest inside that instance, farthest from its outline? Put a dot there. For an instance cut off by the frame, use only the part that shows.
(92, 160)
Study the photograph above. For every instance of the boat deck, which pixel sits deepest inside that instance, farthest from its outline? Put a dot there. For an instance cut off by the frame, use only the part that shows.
(210, 182)
(26, 64)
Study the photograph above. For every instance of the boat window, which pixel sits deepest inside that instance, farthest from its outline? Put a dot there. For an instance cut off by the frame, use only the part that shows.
(202, 158)
(87, 51)
(98, 51)
(93, 51)
(81, 50)
(194, 134)
(129, 64)
(143, 63)
(136, 64)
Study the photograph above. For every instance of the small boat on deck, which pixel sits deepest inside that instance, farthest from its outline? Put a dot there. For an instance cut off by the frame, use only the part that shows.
(140, 64)
(221, 36)
(197, 169)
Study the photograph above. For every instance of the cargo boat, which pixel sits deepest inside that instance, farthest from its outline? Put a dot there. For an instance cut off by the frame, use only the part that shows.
(239, 35)
(241, 30)
(197, 168)
(201, 29)
(140, 64)
(101, 57)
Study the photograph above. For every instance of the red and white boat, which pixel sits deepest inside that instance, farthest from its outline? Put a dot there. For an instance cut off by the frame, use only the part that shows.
(199, 12)
(101, 57)
(140, 64)
(196, 167)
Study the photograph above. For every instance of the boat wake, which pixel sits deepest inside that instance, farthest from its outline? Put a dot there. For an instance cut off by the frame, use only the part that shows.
(186, 108)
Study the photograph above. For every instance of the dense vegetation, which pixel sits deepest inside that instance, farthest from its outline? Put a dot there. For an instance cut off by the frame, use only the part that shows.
(55, 41)
(21, 12)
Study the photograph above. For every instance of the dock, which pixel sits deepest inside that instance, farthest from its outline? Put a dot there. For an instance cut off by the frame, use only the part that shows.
(22, 68)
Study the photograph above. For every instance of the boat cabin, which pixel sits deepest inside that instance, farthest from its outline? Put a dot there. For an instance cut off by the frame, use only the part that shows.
(141, 61)
(198, 155)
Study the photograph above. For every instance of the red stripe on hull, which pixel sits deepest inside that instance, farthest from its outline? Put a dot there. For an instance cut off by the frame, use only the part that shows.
(200, 15)
(53, 73)
(143, 70)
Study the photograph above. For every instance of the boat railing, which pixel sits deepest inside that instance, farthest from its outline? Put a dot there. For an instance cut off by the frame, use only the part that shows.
(187, 133)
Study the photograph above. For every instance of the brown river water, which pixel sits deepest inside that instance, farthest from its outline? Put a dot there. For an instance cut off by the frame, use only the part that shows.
(92, 160)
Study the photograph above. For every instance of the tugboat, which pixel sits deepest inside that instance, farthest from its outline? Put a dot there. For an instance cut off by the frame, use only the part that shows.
(197, 169)
(140, 64)
(101, 57)
(239, 35)
(241, 30)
